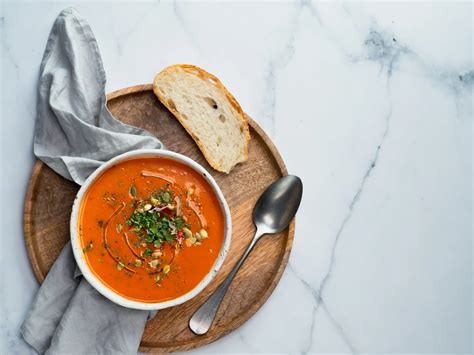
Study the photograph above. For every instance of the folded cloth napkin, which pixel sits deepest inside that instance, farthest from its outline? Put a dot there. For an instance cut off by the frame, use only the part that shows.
(74, 134)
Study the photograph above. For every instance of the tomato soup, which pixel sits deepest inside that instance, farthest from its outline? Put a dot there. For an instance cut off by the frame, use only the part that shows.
(151, 228)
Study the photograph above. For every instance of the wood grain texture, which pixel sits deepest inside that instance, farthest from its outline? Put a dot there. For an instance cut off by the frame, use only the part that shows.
(50, 197)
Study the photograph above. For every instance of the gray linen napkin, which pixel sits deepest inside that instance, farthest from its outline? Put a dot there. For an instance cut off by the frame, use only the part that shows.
(74, 134)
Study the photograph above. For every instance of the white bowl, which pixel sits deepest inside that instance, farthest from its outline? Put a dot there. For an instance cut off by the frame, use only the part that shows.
(79, 255)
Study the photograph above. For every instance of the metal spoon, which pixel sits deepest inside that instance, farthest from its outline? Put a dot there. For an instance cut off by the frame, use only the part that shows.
(272, 213)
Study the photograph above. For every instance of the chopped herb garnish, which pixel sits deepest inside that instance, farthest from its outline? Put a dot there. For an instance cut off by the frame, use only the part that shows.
(156, 219)
(147, 252)
(179, 222)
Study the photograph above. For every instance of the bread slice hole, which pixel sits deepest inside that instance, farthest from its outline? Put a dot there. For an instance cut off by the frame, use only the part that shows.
(222, 118)
(211, 102)
(184, 117)
(219, 141)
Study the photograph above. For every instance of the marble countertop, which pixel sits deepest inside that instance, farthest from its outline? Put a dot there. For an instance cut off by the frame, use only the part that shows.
(370, 103)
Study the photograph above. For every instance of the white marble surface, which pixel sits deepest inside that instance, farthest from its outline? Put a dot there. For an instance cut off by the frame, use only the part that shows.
(370, 103)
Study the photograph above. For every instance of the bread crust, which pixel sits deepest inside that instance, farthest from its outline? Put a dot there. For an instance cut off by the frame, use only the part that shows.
(204, 75)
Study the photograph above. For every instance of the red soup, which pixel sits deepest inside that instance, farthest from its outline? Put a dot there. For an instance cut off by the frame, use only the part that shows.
(151, 228)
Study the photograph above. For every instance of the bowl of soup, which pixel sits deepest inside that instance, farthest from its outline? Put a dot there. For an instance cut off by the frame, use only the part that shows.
(150, 229)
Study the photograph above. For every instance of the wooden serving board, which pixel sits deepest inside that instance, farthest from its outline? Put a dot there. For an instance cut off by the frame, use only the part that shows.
(50, 197)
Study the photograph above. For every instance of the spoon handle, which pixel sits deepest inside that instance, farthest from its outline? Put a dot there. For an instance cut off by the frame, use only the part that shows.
(202, 319)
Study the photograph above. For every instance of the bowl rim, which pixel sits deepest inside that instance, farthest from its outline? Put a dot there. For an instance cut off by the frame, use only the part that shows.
(95, 281)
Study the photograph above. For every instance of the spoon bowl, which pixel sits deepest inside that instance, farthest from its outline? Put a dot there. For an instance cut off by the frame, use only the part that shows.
(278, 204)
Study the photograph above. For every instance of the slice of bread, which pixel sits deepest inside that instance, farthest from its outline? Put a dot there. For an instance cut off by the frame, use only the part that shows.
(208, 112)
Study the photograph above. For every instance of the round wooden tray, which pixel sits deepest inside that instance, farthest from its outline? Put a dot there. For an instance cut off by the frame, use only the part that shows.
(50, 197)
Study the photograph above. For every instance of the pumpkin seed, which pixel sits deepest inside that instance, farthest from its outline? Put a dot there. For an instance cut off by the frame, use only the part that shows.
(187, 232)
(153, 263)
(133, 191)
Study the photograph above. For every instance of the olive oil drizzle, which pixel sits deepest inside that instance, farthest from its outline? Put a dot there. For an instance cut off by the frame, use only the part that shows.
(104, 236)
